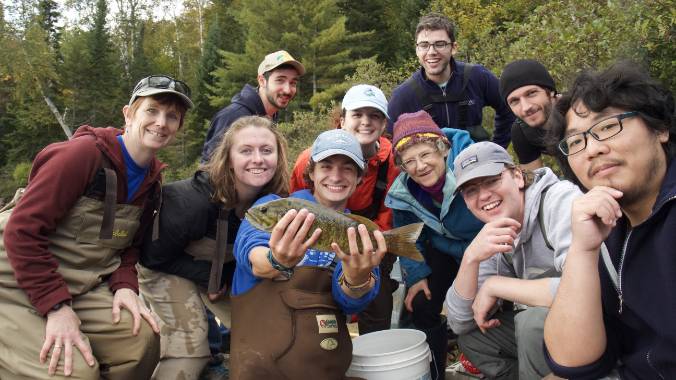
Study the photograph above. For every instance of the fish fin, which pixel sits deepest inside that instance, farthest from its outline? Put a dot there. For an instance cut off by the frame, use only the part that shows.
(360, 219)
(401, 241)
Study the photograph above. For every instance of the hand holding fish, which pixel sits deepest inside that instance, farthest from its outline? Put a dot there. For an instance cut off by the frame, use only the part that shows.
(287, 240)
(357, 265)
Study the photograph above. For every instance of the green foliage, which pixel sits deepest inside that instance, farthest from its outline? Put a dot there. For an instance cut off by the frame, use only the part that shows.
(21, 172)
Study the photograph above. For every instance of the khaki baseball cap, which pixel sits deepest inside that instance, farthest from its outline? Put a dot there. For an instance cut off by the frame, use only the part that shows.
(278, 58)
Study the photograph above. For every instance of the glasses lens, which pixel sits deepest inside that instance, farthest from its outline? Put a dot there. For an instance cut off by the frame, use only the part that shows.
(159, 81)
(423, 45)
(439, 45)
(606, 129)
(573, 144)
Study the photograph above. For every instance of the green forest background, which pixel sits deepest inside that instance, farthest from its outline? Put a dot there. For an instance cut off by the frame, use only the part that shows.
(59, 72)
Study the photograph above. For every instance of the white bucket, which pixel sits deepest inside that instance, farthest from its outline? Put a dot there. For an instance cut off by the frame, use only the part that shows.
(397, 354)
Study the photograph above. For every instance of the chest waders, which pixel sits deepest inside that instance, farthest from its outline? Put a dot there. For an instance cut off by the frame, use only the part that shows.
(86, 244)
(290, 329)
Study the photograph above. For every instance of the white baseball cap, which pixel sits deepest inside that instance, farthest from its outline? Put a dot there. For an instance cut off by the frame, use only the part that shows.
(365, 95)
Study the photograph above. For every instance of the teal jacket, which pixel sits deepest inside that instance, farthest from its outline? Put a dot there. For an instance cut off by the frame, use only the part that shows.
(449, 233)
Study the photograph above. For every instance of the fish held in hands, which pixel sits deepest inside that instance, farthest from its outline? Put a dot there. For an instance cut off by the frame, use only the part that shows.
(400, 241)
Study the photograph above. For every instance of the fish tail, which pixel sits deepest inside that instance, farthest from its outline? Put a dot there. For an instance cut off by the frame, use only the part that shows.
(401, 241)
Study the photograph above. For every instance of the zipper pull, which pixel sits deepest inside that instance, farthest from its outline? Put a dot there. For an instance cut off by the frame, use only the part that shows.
(620, 297)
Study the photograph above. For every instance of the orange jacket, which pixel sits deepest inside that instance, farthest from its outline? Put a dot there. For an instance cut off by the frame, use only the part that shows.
(363, 194)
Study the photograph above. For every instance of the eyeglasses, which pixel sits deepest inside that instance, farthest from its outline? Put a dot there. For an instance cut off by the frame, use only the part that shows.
(489, 184)
(424, 158)
(162, 81)
(603, 130)
(438, 45)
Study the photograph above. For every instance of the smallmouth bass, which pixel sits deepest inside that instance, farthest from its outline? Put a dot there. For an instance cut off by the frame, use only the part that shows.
(400, 241)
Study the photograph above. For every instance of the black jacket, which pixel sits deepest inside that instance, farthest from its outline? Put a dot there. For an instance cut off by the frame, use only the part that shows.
(246, 103)
(187, 214)
(643, 335)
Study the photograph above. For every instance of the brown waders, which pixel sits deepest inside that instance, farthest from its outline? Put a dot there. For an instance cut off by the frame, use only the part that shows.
(85, 262)
(180, 303)
(290, 330)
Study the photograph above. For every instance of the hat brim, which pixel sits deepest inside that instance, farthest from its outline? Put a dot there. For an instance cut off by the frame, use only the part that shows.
(486, 170)
(365, 103)
(296, 65)
(334, 152)
(154, 91)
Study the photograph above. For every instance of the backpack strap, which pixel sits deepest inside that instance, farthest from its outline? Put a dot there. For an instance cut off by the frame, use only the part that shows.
(215, 275)
(371, 211)
(109, 199)
(541, 217)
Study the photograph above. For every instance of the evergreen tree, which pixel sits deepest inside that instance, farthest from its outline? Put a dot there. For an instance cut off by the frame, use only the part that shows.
(48, 18)
(103, 93)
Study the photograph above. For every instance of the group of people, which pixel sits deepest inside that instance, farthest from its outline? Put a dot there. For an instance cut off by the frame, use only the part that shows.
(107, 273)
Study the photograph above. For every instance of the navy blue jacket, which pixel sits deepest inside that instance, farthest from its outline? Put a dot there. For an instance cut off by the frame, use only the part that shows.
(643, 336)
(482, 89)
(246, 103)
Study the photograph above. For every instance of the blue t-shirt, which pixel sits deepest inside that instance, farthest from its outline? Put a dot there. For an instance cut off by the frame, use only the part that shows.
(249, 237)
(135, 173)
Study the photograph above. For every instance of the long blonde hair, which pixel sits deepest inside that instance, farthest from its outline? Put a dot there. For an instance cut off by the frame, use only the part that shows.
(221, 175)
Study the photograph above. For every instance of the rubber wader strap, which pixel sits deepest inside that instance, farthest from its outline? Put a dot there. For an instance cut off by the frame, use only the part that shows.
(109, 201)
(156, 212)
(219, 256)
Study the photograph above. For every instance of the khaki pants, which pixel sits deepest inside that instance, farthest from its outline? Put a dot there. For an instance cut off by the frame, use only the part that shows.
(118, 354)
(183, 321)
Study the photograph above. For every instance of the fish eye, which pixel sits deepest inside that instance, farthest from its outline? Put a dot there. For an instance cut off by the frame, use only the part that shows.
(264, 209)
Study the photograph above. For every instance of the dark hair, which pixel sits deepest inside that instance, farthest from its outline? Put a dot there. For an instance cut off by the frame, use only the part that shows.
(311, 167)
(280, 67)
(435, 21)
(623, 85)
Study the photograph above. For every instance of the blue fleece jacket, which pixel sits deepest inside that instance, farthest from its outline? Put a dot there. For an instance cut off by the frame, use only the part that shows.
(249, 237)
(451, 231)
(482, 89)
(246, 103)
(643, 336)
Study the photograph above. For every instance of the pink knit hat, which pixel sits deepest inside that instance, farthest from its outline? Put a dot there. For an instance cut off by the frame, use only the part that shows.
(412, 127)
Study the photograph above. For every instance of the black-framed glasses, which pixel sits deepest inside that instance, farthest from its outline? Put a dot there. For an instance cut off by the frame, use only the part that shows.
(163, 81)
(438, 45)
(603, 130)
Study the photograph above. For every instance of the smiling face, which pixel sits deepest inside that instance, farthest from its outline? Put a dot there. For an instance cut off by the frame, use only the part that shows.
(366, 124)
(280, 86)
(436, 62)
(424, 163)
(253, 158)
(633, 161)
(490, 198)
(532, 104)
(150, 125)
(334, 179)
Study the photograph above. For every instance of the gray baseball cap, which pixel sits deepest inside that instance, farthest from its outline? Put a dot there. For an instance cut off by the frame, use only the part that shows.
(337, 141)
(483, 159)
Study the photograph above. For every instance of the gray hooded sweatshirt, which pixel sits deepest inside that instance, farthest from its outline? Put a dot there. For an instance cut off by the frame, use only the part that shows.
(530, 259)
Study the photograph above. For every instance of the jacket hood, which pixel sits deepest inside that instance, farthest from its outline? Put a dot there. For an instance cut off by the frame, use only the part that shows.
(250, 99)
(543, 178)
(106, 141)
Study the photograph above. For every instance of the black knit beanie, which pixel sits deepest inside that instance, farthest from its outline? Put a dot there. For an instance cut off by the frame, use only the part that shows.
(524, 72)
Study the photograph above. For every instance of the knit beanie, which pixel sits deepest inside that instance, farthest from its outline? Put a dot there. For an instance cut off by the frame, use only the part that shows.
(412, 127)
(524, 72)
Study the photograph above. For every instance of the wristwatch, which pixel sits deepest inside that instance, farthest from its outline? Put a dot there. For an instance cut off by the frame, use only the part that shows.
(285, 271)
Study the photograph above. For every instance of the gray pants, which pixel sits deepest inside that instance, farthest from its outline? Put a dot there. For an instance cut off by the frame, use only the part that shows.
(511, 351)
